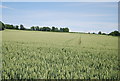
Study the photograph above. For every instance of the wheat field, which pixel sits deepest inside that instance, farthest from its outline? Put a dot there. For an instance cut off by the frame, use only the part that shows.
(55, 55)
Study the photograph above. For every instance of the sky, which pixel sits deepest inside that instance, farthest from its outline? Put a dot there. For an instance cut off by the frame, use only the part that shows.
(60, 0)
(77, 16)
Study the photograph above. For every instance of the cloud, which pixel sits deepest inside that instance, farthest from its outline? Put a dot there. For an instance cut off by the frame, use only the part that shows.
(61, 15)
(73, 23)
(1, 6)
(92, 21)
(81, 26)
(94, 4)
(63, 18)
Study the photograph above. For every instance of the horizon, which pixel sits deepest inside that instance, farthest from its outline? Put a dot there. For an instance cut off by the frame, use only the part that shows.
(77, 16)
(58, 28)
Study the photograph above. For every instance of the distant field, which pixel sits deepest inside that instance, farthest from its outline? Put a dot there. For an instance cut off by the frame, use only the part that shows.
(51, 55)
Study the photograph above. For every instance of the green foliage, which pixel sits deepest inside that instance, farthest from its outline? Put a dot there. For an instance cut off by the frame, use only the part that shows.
(32, 28)
(103, 33)
(65, 29)
(46, 29)
(54, 29)
(8, 26)
(48, 55)
(99, 32)
(16, 27)
(93, 33)
(2, 26)
(37, 28)
(115, 33)
(22, 27)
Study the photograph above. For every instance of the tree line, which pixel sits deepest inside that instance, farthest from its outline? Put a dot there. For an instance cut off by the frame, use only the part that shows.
(113, 33)
(33, 28)
(53, 29)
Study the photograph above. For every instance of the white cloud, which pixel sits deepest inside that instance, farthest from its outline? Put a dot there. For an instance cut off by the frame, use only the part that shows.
(73, 23)
(60, 15)
(111, 6)
(82, 26)
(1, 6)
(115, 5)
(62, 19)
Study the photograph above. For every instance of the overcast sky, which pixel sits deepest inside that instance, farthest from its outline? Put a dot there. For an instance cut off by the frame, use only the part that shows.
(78, 16)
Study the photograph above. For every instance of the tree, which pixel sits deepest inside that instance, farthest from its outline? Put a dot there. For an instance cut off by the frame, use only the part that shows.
(103, 33)
(40, 29)
(65, 29)
(2, 26)
(53, 28)
(99, 32)
(8, 26)
(32, 28)
(22, 27)
(48, 29)
(61, 29)
(44, 28)
(114, 33)
(93, 32)
(11, 27)
(56, 30)
(17, 27)
(37, 28)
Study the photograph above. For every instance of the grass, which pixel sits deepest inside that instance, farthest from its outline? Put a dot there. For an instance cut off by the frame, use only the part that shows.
(54, 55)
